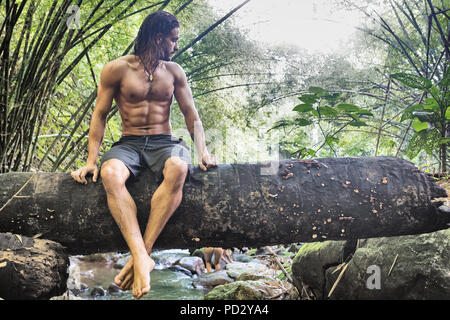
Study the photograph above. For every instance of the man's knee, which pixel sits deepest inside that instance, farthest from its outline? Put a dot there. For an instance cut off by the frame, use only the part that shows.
(175, 170)
(114, 173)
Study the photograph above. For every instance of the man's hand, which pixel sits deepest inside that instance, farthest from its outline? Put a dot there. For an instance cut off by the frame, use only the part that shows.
(207, 161)
(80, 174)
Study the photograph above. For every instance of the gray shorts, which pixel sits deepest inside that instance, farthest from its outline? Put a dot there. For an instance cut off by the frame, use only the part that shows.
(150, 151)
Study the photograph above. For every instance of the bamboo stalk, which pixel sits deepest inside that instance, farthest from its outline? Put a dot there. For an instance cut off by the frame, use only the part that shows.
(382, 116)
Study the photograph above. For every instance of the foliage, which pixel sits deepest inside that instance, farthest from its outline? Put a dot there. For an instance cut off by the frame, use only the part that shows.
(410, 44)
(320, 105)
(244, 92)
(40, 48)
(431, 119)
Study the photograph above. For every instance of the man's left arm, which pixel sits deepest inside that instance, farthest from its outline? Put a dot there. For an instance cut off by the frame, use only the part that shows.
(183, 95)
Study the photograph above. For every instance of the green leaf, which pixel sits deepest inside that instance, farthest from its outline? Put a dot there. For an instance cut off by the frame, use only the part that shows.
(365, 113)
(308, 98)
(412, 80)
(447, 113)
(407, 113)
(445, 82)
(315, 113)
(432, 142)
(316, 90)
(307, 152)
(279, 124)
(416, 144)
(354, 117)
(426, 116)
(419, 125)
(331, 98)
(303, 108)
(444, 140)
(327, 111)
(302, 122)
(357, 124)
(431, 104)
(330, 140)
(348, 107)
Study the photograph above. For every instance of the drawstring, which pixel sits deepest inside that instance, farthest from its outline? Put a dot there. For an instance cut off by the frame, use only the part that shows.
(144, 147)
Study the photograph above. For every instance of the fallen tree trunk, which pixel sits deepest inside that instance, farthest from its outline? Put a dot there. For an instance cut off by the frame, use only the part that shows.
(236, 205)
(31, 268)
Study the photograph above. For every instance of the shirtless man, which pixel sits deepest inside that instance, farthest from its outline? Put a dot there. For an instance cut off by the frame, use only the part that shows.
(143, 84)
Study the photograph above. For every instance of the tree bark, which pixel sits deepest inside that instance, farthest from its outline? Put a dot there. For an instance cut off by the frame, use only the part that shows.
(31, 268)
(236, 205)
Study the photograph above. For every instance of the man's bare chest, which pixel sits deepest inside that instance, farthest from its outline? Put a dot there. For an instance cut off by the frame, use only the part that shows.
(135, 87)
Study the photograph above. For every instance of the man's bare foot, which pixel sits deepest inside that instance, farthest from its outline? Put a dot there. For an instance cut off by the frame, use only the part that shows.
(124, 279)
(143, 265)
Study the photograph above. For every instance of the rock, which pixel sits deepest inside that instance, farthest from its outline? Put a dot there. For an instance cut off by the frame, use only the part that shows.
(240, 257)
(96, 257)
(310, 262)
(249, 276)
(166, 258)
(31, 268)
(193, 264)
(121, 260)
(252, 290)
(405, 267)
(294, 247)
(113, 289)
(178, 268)
(213, 279)
(236, 269)
(97, 292)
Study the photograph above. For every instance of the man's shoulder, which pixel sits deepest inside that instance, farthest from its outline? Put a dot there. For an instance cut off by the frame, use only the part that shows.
(119, 64)
(114, 70)
(175, 69)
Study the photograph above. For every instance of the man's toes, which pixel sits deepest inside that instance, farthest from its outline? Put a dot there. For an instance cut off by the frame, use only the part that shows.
(127, 283)
(118, 280)
(136, 293)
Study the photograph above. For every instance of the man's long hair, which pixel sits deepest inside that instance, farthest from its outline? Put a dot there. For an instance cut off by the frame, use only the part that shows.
(145, 46)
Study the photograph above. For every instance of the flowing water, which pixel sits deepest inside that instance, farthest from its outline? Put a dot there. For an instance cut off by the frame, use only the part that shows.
(100, 272)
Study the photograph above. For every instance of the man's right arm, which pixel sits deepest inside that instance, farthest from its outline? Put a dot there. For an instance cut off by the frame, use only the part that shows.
(109, 84)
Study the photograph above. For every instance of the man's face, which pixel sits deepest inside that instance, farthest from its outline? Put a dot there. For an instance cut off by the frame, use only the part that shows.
(170, 44)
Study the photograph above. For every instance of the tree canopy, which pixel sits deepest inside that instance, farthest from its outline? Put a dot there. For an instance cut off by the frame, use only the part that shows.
(385, 94)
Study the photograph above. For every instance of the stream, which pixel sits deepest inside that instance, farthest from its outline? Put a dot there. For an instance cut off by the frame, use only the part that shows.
(91, 277)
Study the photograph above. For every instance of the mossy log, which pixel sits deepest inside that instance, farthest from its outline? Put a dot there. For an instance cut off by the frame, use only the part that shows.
(236, 205)
(31, 268)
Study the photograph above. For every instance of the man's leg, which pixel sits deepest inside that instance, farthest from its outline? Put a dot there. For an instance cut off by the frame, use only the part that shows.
(123, 209)
(218, 252)
(207, 255)
(165, 201)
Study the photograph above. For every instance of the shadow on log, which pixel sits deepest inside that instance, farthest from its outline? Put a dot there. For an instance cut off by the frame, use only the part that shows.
(237, 205)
